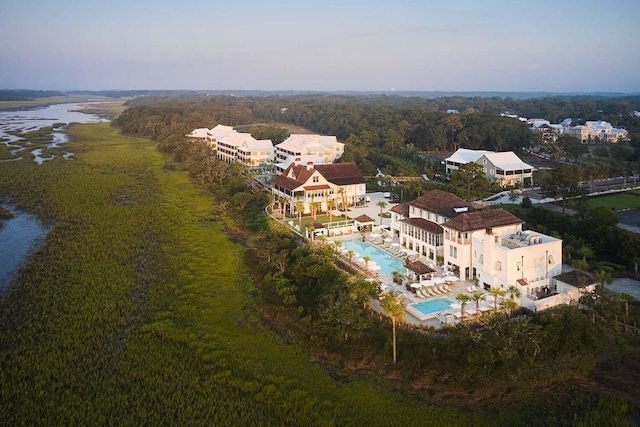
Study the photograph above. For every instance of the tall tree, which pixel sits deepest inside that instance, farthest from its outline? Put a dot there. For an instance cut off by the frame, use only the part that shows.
(393, 306)
(496, 293)
(477, 297)
(471, 176)
(463, 299)
(381, 204)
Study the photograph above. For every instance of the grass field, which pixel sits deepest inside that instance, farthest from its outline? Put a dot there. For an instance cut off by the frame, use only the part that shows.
(137, 310)
(617, 202)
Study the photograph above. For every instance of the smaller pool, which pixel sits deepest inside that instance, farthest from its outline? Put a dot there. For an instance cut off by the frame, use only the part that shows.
(432, 306)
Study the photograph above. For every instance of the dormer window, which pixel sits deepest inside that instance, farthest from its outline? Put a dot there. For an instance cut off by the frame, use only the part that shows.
(316, 179)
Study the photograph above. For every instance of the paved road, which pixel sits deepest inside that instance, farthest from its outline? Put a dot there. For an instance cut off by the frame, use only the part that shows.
(625, 285)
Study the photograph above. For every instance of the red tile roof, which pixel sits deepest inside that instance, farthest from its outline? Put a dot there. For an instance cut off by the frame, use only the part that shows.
(482, 219)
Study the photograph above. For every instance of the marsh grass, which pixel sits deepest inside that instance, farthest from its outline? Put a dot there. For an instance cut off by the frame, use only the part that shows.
(136, 311)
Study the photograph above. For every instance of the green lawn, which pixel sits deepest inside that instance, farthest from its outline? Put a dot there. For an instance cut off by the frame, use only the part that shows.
(617, 202)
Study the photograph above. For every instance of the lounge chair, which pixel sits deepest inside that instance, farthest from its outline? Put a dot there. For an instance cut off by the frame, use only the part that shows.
(443, 289)
(422, 294)
(449, 288)
(433, 291)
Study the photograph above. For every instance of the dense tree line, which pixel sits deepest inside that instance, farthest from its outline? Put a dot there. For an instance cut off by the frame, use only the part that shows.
(387, 132)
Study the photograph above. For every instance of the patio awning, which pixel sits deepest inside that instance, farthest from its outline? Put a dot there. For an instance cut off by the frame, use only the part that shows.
(419, 267)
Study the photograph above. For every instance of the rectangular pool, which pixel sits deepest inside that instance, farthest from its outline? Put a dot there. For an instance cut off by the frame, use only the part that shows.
(432, 306)
(387, 263)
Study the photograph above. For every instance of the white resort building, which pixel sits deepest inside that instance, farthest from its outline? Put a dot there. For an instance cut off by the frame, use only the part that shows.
(504, 168)
(597, 131)
(325, 147)
(489, 246)
(419, 226)
(341, 183)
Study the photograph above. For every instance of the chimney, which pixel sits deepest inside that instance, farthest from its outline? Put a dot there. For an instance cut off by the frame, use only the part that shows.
(487, 250)
(309, 165)
(297, 161)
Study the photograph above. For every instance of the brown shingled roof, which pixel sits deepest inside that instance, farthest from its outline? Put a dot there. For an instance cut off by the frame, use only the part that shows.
(419, 267)
(576, 278)
(341, 173)
(401, 208)
(441, 203)
(423, 224)
(482, 219)
(284, 182)
(363, 218)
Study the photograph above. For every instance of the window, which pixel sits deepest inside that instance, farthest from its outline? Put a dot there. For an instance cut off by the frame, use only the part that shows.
(316, 179)
(453, 252)
(498, 266)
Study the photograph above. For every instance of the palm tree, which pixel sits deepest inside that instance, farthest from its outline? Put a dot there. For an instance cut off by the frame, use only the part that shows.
(341, 193)
(350, 255)
(393, 306)
(463, 299)
(331, 205)
(299, 208)
(603, 277)
(496, 293)
(513, 292)
(283, 203)
(366, 260)
(338, 244)
(508, 305)
(381, 204)
(477, 297)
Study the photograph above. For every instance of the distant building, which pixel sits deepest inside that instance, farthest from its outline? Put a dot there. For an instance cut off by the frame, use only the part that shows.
(597, 131)
(505, 168)
(200, 133)
(218, 132)
(325, 147)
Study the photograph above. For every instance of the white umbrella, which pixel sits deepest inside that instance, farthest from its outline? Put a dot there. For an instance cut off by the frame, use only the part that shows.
(439, 280)
(410, 252)
(416, 285)
(455, 305)
(388, 239)
(374, 267)
(395, 244)
(374, 235)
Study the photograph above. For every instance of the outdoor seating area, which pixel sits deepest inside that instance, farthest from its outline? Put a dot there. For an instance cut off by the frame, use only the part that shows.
(431, 288)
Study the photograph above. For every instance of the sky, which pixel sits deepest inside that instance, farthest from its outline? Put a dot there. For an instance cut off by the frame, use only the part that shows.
(328, 45)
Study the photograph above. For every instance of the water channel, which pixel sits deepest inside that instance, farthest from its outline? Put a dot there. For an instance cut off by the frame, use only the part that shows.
(21, 235)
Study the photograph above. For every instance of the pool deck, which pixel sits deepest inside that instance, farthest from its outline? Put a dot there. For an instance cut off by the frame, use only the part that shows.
(413, 316)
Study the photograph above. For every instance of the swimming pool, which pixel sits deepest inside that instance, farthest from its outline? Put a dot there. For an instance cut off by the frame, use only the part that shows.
(387, 263)
(432, 306)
